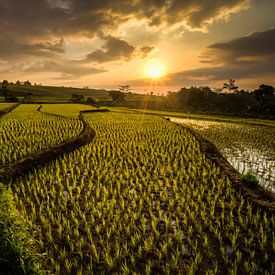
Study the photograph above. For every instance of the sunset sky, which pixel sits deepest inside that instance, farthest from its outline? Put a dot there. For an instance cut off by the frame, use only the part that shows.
(105, 43)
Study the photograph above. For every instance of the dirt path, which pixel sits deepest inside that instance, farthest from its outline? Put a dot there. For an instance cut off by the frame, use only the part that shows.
(19, 168)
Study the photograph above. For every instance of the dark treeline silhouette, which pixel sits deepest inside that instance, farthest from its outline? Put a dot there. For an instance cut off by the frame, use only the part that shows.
(228, 101)
(204, 100)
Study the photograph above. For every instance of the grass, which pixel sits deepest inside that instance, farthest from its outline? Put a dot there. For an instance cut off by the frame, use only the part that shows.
(251, 179)
(17, 247)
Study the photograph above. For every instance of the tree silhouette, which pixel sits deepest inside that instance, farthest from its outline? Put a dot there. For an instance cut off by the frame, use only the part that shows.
(4, 86)
(124, 88)
(230, 86)
(77, 98)
(262, 94)
(117, 96)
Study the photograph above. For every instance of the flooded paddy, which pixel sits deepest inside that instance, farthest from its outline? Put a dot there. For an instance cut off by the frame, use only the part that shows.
(245, 146)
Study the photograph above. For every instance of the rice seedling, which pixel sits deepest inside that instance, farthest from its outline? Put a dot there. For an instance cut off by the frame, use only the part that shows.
(143, 198)
(246, 147)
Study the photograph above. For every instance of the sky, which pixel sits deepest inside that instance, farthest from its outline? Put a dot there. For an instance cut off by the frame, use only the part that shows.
(153, 45)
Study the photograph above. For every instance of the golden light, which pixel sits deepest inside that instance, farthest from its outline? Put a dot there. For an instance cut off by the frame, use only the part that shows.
(155, 70)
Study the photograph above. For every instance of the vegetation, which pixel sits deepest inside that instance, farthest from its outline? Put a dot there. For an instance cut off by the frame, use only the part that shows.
(247, 147)
(25, 131)
(251, 179)
(142, 197)
(117, 96)
(230, 86)
(67, 110)
(17, 245)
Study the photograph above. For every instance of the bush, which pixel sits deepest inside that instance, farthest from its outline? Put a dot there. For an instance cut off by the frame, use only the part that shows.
(251, 179)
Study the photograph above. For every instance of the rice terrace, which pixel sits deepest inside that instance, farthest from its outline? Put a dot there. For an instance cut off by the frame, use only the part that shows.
(148, 149)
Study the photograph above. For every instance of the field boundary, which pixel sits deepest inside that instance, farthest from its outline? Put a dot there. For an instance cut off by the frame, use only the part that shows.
(38, 159)
(215, 119)
(8, 109)
(258, 195)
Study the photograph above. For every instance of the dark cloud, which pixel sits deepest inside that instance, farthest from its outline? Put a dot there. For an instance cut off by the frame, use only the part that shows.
(248, 57)
(113, 49)
(146, 50)
(32, 29)
(117, 49)
(253, 48)
(14, 48)
(66, 17)
(69, 69)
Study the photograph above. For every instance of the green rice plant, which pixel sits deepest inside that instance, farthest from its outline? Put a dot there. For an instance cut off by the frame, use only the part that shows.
(142, 196)
(25, 130)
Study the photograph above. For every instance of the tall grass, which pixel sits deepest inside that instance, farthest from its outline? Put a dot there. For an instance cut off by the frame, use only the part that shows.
(17, 246)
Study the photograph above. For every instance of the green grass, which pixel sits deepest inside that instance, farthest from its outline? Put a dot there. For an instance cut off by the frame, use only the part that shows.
(210, 117)
(17, 246)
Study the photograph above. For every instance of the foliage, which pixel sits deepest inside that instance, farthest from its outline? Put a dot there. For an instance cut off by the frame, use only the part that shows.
(247, 147)
(263, 95)
(124, 88)
(90, 100)
(76, 98)
(25, 131)
(143, 198)
(117, 96)
(251, 179)
(17, 246)
(230, 86)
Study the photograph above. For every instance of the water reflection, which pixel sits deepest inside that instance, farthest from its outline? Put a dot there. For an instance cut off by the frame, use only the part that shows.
(246, 147)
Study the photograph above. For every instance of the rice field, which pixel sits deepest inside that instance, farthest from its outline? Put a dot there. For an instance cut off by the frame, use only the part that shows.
(5, 105)
(142, 198)
(67, 110)
(246, 147)
(25, 131)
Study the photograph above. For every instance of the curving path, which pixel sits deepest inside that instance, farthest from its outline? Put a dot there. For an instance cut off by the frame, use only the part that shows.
(23, 166)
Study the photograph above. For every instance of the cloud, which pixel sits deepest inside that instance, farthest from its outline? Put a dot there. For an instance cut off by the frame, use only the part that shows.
(146, 50)
(87, 18)
(69, 69)
(14, 49)
(249, 57)
(113, 49)
(31, 30)
(117, 49)
(254, 48)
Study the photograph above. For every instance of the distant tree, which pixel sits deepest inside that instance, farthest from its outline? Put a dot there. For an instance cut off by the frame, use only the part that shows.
(230, 86)
(29, 98)
(18, 83)
(27, 83)
(117, 96)
(77, 98)
(90, 100)
(11, 98)
(124, 88)
(262, 94)
(4, 86)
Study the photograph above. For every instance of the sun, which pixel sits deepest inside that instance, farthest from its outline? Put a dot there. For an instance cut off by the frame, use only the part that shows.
(155, 70)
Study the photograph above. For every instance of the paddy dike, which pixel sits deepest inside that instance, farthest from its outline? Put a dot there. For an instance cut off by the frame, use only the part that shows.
(9, 109)
(19, 168)
(258, 195)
